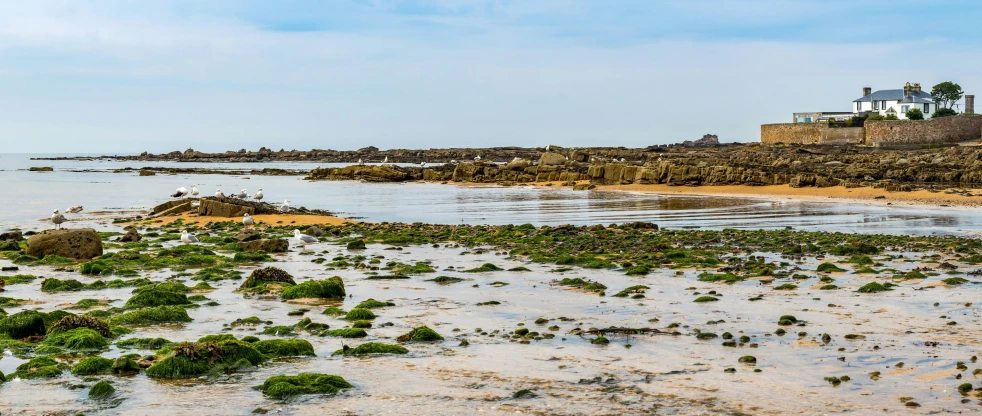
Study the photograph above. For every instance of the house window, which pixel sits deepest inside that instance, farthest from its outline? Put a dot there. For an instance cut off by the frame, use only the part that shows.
(876, 105)
(883, 105)
(927, 108)
(904, 109)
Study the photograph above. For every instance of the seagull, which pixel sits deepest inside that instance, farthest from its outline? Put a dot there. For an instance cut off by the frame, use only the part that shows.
(247, 220)
(360, 163)
(386, 160)
(478, 158)
(422, 164)
(74, 210)
(180, 193)
(286, 206)
(304, 239)
(547, 147)
(57, 218)
(194, 191)
(219, 195)
(453, 162)
(242, 195)
(188, 238)
(259, 195)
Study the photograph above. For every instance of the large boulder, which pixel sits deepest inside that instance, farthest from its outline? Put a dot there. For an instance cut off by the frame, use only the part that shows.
(12, 236)
(131, 236)
(79, 243)
(210, 208)
(274, 245)
(552, 159)
(518, 164)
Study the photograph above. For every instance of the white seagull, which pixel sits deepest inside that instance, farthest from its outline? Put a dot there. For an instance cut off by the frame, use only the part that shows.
(57, 219)
(453, 162)
(386, 160)
(286, 206)
(304, 239)
(259, 195)
(422, 164)
(74, 210)
(188, 238)
(478, 158)
(242, 195)
(194, 191)
(360, 163)
(219, 195)
(247, 220)
(180, 193)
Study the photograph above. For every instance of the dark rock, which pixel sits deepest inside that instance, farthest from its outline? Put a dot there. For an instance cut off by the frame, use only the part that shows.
(584, 187)
(276, 245)
(706, 141)
(9, 246)
(314, 231)
(248, 235)
(42, 169)
(147, 172)
(172, 207)
(212, 208)
(131, 236)
(80, 244)
(11, 236)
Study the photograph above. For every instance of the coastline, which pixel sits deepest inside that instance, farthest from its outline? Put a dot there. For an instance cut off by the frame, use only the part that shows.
(918, 198)
(261, 219)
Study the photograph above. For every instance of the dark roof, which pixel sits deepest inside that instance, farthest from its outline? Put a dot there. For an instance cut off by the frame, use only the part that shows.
(893, 95)
(916, 100)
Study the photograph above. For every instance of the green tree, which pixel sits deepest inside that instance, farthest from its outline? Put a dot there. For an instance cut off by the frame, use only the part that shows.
(944, 112)
(891, 117)
(915, 114)
(947, 93)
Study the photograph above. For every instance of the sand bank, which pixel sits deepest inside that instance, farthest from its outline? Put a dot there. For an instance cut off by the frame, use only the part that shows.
(270, 219)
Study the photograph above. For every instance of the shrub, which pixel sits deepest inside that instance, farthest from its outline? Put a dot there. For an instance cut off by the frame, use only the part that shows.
(915, 114)
(944, 112)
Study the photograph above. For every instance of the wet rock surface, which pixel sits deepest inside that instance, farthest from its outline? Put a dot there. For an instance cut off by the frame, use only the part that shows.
(275, 245)
(78, 244)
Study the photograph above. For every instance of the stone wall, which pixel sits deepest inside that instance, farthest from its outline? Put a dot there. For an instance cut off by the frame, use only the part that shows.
(809, 133)
(916, 132)
(792, 133)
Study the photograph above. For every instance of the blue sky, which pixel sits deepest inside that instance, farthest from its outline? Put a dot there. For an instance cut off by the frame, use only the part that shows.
(123, 76)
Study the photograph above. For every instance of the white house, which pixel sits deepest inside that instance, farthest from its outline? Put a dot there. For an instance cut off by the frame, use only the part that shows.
(897, 102)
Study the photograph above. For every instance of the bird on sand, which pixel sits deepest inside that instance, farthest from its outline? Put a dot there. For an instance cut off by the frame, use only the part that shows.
(304, 239)
(180, 192)
(74, 209)
(286, 206)
(259, 195)
(247, 220)
(219, 195)
(188, 238)
(57, 219)
(242, 195)
(194, 191)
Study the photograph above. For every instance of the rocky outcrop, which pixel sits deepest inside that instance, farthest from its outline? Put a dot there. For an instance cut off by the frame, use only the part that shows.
(80, 244)
(11, 236)
(41, 169)
(172, 207)
(707, 140)
(276, 245)
(552, 159)
(212, 208)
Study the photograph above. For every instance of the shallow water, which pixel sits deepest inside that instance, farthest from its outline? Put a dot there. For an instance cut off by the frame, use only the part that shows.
(31, 196)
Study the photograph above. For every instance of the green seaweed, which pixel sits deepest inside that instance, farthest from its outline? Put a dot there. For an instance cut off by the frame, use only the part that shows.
(332, 288)
(372, 348)
(283, 386)
(420, 334)
(148, 316)
(93, 365)
(357, 314)
(274, 348)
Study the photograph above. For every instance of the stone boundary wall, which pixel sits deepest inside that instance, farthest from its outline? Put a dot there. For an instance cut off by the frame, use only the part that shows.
(792, 133)
(915, 132)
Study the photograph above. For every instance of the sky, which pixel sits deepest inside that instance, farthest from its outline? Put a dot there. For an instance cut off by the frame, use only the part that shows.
(122, 76)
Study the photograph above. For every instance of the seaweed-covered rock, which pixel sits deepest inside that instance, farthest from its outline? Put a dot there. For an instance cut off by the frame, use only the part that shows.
(371, 303)
(266, 275)
(331, 288)
(421, 334)
(194, 359)
(358, 314)
(147, 316)
(143, 343)
(93, 365)
(282, 387)
(156, 297)
(81, 321)
(23, 324)
(371, 348)
(125, 365)
(78, 339)
(356, 245)
(79, 243)
(272, 245)
(39, 367)
(274, 348)
(101, 390)
(346, 333)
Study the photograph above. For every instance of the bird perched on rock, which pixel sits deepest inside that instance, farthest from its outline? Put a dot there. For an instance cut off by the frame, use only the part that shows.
(386, 160)
(188, 238)
(242, 195)
(194, 191)
(477, 158)
(180, 192)
(259, 195)
(74, 210)
(219, 195)
(304, 239)
(247, 220)
(286, 206)
(360, 163)
(57, 219)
